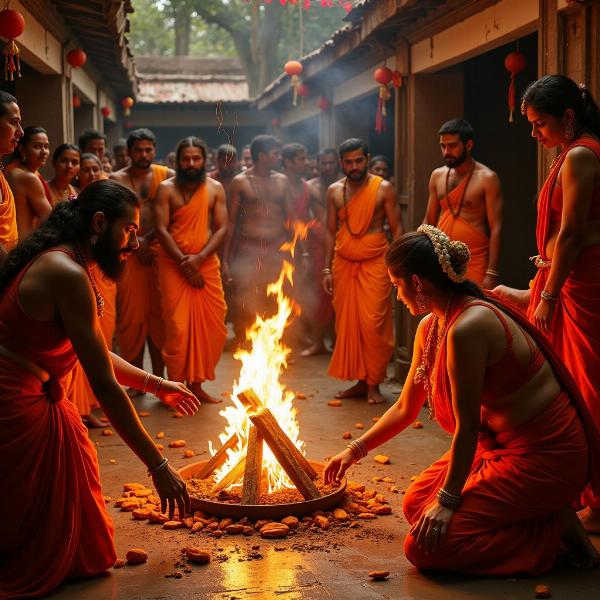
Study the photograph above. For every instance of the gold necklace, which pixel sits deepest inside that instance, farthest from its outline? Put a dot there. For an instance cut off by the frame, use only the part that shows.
(427, 370)
(80, 257)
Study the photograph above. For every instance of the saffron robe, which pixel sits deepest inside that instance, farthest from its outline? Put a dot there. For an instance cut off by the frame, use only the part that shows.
(9, 235)
(575, 328)
(194, 317)
(56, 524)
(77, 385)
(138, 294)
(508, 521)
(459, 229)
(361, 293)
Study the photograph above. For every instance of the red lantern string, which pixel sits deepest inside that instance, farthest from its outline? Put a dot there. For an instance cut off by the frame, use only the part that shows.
(12, 25)
(514, 63)
(382, 76)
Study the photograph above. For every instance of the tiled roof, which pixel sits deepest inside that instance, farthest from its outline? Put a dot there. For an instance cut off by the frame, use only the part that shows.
(189, 79)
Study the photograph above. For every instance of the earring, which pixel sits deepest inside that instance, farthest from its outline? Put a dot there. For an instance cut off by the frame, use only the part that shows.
(23, 158)
(569, 133)
(422, 300)
(94, 239)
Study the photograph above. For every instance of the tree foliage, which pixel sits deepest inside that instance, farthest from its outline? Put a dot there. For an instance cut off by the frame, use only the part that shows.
(262, 35)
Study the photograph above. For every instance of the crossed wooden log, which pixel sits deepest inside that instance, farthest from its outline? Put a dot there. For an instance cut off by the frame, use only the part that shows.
(264, 428)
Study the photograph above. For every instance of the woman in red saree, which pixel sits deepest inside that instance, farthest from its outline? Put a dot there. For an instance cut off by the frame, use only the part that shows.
(523, 448)
(55, 522)
(564, 299)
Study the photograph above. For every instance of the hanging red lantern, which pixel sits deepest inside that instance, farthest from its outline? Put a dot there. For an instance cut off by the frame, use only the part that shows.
(12, 25)
(514, 63)
(76, 57)
(397, 79)
(323, 103)
(294, 68)
(127, 103)
(275, 122)
(105, 111)
(303, 91)
(383, 76)
(76, 101)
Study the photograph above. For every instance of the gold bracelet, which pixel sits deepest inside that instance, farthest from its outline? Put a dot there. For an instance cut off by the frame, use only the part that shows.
(145, 384)
(157, 387)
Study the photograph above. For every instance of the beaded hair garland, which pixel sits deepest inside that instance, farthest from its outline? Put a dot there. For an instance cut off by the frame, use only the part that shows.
(443, 247)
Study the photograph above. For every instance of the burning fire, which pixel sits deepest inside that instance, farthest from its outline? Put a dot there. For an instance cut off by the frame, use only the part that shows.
(261, 369)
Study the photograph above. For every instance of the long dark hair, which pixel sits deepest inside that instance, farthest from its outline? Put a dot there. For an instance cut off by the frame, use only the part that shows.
(413, 254)
(69, 222)
(553, 94)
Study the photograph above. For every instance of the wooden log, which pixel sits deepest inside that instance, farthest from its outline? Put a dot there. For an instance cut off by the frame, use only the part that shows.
(288, 456)
(232, 477)
(253, 470)
(219, 458)
(250, 400)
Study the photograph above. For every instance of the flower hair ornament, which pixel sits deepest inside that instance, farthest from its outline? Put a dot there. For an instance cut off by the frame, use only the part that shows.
(444, 248)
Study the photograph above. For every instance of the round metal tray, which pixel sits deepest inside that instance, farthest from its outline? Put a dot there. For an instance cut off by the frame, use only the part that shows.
(263, 511)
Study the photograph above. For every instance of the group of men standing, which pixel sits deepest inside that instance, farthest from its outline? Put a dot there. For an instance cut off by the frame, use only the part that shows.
(210, 243)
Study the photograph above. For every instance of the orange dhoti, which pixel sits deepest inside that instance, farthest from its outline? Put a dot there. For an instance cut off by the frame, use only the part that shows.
(194, 318)
(457, 228)
(77, 385)
(361, 294)
(9, 235)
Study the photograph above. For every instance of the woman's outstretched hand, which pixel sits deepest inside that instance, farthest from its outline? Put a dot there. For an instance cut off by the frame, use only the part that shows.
(172, 491)
(337, 466)
(176, 395)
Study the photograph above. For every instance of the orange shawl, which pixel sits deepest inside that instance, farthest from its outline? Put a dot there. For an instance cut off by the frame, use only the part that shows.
(8, 216)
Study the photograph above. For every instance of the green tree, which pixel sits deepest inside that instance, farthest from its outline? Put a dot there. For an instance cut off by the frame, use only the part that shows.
(263, 36)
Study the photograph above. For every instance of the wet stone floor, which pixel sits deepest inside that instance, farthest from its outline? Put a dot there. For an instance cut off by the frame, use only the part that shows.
(307, 564)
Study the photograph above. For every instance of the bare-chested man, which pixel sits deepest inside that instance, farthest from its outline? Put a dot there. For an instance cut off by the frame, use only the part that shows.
(30, 190)
(260, 210)
(356, 275)
(191, 225)
(227, 167)
(140, 320)
(465, 201)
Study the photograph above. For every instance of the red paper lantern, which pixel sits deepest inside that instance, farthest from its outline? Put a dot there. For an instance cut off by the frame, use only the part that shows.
(294, 68)
(383, 76)
(303, 91)
(127, 103)
(105, 111)
(275, 122)
(76, 101)
(397, 79)
(12, 25)
(76, 57)
(514, 62)
(323, 103)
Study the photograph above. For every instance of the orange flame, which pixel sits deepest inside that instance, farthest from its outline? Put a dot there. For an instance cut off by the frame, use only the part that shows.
(261, 369)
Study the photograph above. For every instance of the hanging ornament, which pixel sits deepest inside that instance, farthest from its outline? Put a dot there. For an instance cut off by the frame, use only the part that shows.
(127, 103)
(76, 101)
(397, 79)
(105, 111)
(76, 57)
(275, 122)
(382, 76)
(303, 91)
(323, 103)
(12, 25)
(293, 68)
(514, 63)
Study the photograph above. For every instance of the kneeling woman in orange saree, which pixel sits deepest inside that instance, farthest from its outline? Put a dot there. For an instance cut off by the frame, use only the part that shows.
(523, 448)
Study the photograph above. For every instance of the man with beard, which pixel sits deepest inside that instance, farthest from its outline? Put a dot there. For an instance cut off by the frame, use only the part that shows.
(260, 211)
(10, 134)
(139, 308)
(465, 201)
(49, 308)
(356, 275)
(191, 224)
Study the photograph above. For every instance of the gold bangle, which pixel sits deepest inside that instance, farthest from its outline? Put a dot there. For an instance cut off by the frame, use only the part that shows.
(145, 384)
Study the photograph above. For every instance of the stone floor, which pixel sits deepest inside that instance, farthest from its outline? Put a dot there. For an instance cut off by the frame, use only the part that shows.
(313, 566)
